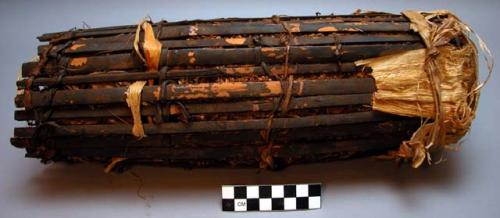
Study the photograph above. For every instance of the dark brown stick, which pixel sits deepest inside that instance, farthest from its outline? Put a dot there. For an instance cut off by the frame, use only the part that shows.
(107, 31)
(209, 126)
(294, 27)
(122, 76)
(218, 56)
(205, 108)
(124, 43)
(294, 151)
(227, 90)
(25, 138)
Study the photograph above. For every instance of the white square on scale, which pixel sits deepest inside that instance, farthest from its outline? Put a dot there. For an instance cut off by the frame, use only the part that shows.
(252, 191)
(302, 190)
(290, 203)
(227, 192)
(240, 204)
(314, 202)
(277, 191)
(265, 204)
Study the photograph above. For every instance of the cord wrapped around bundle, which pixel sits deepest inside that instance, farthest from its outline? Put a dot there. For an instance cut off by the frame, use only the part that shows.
(438, 84)
(134, 103)
(259, 92)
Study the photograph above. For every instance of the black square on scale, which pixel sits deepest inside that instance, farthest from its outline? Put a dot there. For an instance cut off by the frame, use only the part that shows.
(252, 204)
(290, 191)
(265, 191)
(278, 203)
(314, 190)
(302, 203)
(227, 204)
(240, 192)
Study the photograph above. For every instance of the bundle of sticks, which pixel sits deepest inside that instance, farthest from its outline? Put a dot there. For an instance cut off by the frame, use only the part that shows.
(264, 92)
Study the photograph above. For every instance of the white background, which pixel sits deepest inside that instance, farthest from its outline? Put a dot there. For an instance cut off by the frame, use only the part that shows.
(465, 186)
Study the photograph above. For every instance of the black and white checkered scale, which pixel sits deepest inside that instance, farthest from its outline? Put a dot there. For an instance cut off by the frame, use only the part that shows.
(271, 197)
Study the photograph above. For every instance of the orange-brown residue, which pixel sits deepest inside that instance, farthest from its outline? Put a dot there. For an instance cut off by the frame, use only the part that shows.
(352, 29)
(273, 87)
(267, 49)
(294, 27)
(195, 91)
(192, 95)
(269, 52)
(301, 88)
(276, 70)
(239, 70)
(174, 109)
(156, 93)
(225, 89)
(228, 70)
(328, 29)
(76, 46)
(78, 62)
(271, 55)
(281, 70)
(360, 24)
(202, 87)
(192, 59)
(193, 30)
(236, 41)
(280, 56)
(255, 107)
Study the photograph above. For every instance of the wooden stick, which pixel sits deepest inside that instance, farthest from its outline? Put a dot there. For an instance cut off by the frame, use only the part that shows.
(205, 108)
(294, 27)
(226, 25)
(297, 103)
(123, 43)
(239, 153)
(229, 90)
(218, 56)
(210, 126)
(221, 71)
(25, 138)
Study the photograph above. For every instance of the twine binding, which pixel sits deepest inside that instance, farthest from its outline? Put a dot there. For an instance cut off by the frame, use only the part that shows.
(446, 92)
